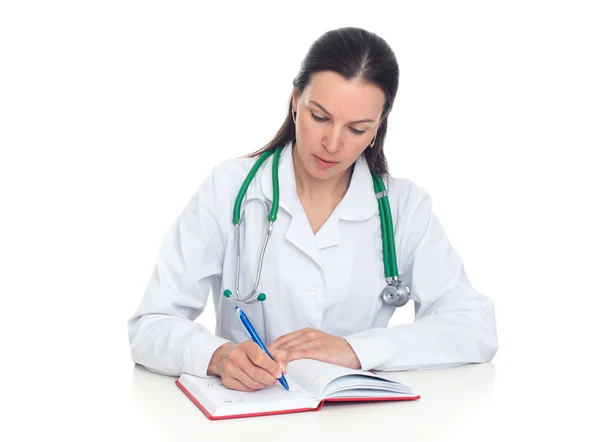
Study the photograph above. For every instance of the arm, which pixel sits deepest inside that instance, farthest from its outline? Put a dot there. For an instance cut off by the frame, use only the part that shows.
(454, 324)
(163, 336)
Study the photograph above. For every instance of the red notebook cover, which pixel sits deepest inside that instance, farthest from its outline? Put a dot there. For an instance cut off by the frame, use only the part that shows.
(299, 410)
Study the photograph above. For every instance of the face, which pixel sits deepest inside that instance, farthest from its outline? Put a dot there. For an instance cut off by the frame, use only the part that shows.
(336, 121)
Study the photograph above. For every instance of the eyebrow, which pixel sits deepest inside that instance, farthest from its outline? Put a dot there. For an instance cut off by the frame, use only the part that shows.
(328, 113)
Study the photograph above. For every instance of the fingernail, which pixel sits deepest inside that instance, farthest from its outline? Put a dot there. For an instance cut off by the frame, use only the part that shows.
(283, 368)
(278, 374)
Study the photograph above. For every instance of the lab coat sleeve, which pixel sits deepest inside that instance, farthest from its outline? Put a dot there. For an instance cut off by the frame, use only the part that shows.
(162, 333)
(454, 324)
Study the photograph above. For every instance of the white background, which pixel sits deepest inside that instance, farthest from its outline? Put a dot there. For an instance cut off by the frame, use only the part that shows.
(113, 112)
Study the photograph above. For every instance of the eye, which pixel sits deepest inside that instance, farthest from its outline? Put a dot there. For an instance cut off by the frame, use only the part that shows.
(319, 119)
(324, 119)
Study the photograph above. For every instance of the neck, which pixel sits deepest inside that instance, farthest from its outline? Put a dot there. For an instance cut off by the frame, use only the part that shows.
(313, 189)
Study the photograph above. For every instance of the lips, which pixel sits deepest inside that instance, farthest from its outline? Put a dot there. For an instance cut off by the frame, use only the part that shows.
(325, 160)
(323, 163)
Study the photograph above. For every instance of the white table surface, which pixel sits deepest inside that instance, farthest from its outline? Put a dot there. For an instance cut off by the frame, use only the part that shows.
(474, 402)
(95, 393)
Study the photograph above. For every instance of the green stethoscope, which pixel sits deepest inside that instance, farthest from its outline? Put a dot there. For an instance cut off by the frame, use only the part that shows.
(396, 293)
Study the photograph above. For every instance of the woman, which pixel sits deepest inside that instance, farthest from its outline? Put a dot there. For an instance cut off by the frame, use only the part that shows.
(323, 272)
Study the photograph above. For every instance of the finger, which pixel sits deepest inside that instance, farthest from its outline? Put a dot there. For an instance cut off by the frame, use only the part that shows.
(285, 338)
(264, 363)
(245, 375)
(282, 340)
(306, 345)
(243, 369)
(281, 357)
(308, 350)
(235, 384)
(317, 353)
(302, 339)
(259, 375)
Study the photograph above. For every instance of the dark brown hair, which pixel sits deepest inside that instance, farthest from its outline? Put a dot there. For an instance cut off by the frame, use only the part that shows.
(352, 53)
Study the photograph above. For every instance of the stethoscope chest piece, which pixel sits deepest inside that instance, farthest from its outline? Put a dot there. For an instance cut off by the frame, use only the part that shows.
(396, 293)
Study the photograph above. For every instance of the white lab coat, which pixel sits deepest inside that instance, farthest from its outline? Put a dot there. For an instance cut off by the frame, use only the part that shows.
(330, 281)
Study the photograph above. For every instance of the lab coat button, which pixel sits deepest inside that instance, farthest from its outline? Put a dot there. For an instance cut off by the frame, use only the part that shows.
(311, 290)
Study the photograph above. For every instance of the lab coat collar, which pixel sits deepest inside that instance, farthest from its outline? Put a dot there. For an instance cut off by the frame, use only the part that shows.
(359, 203)
(288, 199)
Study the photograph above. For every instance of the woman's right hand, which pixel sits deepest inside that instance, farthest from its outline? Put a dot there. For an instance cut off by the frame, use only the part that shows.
(246, 367)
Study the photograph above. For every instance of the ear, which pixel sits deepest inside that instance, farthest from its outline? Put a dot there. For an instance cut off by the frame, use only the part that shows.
(381, 121)
(295, 98)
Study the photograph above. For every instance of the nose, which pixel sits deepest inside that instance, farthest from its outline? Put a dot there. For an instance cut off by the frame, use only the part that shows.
(333, 140)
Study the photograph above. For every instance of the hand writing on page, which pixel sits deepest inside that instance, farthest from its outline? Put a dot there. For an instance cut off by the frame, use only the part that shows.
(309, 343)
(245, 366)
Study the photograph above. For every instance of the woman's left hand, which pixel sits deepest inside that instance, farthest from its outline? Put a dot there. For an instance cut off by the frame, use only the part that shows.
(309, 343)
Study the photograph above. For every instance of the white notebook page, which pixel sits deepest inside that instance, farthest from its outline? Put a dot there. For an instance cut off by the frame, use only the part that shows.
(221, 401)
(321, 380)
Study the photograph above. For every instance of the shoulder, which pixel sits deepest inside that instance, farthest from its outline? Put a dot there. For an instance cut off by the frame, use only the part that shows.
(407, 197)
(219, 187)
(233, 169)
(226, 176)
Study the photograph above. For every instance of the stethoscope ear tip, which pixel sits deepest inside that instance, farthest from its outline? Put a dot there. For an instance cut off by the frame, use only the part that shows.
(227, 293)
(262, 297)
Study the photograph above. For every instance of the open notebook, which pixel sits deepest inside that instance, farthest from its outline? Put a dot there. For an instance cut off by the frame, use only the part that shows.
(311, 383)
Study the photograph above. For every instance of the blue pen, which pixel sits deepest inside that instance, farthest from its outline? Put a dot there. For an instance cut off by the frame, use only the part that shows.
(254, 336)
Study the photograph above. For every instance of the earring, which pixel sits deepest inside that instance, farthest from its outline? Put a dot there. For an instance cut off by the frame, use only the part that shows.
(293, 117)
(373, 142)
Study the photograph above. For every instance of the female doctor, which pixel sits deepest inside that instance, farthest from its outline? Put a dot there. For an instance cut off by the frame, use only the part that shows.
(331, 275)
